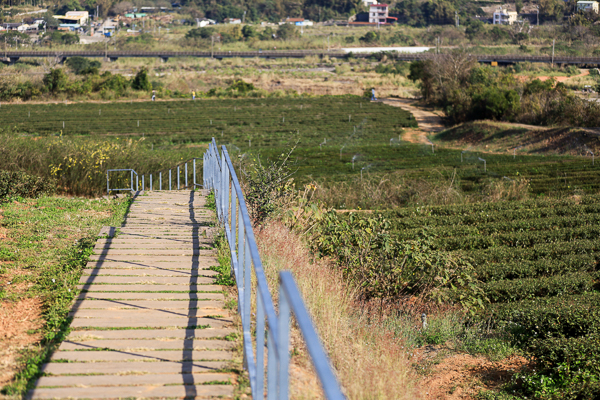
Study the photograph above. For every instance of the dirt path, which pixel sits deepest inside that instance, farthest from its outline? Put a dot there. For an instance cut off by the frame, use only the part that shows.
(428, 121)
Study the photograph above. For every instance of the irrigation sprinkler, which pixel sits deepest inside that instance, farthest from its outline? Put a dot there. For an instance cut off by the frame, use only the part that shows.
(432, 150)
(63, 124)
(349, 118)
(138, 123)
(353, 159)
(283, 120)
(515, 151)
(592, 153)
(461, 155)
(342, 148)
(391, 141)
(100, 112)
(211, 121)
(321, 144)
(484, 164)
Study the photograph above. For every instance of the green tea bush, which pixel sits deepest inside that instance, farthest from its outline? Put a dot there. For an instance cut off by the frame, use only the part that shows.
(19, 184)
(382, 266)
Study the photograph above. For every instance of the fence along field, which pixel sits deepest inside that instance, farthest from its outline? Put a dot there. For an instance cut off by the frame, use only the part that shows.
(338, 138)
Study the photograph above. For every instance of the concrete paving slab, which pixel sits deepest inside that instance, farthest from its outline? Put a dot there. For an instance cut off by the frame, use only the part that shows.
(142, 367)
(142, 322)
(133, 380)
(196, 264)
(150, 272)
(150, 288)
(149, 334)
(142, 258)
(177, 391)
(149, 304)
(146, 280)
(149, 296)
(124, 355)
(145, 250)
(140, 344)
(133, 313)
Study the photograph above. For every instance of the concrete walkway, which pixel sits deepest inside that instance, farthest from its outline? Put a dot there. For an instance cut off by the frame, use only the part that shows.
(149, 321)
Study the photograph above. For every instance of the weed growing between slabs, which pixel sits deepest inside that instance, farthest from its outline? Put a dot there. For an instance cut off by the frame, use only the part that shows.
(48, 242)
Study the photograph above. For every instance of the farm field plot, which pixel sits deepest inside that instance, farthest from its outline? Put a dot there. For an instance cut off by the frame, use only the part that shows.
(538, 263)
(337, 139)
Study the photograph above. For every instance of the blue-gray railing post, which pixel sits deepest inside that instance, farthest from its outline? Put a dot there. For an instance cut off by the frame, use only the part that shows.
(160, 180)
(131, 180)
(169, 178)
(143, 182)
(186, 175)
(260, 346)
(107, 184)
(284, 342)
(151, 187)
(178, 174)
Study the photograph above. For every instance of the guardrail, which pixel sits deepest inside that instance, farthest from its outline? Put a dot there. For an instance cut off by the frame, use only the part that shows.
(133, 184)
(219, 176)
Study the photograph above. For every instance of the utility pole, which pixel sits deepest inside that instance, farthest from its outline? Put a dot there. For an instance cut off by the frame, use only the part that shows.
(553, 40)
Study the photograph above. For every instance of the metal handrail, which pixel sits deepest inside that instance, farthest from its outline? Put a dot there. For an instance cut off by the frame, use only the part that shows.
(150, 185)
(220, 176)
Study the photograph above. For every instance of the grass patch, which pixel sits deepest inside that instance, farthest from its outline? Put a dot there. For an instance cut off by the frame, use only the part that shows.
(51, 239)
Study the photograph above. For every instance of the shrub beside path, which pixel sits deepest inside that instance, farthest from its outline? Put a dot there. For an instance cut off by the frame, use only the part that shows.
(149, 321)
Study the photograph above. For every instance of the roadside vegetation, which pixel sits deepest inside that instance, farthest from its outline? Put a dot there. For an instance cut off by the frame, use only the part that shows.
(44, 244)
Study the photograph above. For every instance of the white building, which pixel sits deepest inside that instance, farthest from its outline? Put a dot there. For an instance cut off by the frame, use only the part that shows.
(504, 17)
(587, 6)
(378, 13)
(74, 17)
(232, 21)
(369, 3)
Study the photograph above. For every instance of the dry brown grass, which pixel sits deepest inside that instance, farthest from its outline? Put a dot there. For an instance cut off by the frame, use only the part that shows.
(370, 361)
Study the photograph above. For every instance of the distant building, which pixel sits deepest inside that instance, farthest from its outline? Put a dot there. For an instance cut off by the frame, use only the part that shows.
(378, 13)
(587, 6)
(298, 22)
(232, 21)
(505, 17)
(369, 3)
(11, 26)
(74, 17)
(202, 22)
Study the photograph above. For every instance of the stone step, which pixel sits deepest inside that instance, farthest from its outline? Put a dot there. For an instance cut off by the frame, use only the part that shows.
(148, 344)
(143, 250)
(124, 355)
(142, 258)
(149, 296)
(117, 314)
(140, 321)
(146, 280)
(150, 288)
(137, 367)
(149, 334)
(175, 391)
(149, 304)
(195, 264)
(150, 272)
(134, 380)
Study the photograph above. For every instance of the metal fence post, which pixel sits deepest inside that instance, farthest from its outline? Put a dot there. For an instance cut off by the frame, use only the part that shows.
(283, 339)
(186, 175)
(151, 189)
(194, 167)
(169, 179)
(160, 180)
(178, 174)
(143, 182)
(131, 173)
(260, 345)
(107, 184)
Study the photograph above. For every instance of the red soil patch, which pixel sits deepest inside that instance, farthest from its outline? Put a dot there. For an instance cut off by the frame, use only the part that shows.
(16, 319)
(463, 376)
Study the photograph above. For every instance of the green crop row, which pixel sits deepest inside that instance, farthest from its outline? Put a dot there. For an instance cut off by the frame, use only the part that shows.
(558, 285)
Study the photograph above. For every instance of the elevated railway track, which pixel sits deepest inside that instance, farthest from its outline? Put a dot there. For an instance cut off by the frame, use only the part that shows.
(61, 56)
